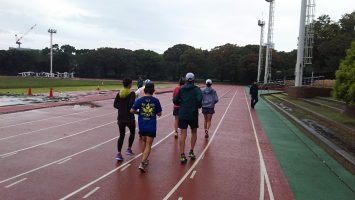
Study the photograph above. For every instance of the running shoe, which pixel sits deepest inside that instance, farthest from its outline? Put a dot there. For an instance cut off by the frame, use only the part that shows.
(119, 157)
(192, 155)
(146, 163)
(176, 135)
(142, 167)
(183, 158)
(206, 134)
(129, 152)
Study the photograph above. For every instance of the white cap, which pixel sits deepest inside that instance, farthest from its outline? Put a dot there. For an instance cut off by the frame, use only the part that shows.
(146, 81)
(190, 76)
(209, 81)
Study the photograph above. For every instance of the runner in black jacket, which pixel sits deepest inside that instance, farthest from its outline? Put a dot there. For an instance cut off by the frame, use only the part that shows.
(123, 102)
(254, 94)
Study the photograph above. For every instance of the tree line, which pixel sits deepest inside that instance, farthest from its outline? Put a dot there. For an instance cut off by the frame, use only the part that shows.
(228, 62)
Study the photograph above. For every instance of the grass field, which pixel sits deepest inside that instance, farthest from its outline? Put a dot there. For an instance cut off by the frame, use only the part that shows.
(19, 85)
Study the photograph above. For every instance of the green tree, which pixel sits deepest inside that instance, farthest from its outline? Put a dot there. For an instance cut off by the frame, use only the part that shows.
(194, 60)
(172, 58)
(225, 60)
(344, 87)
(148, 63)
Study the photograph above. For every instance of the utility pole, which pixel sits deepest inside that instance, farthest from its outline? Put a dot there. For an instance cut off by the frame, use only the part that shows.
(261, 23)
(51, 31)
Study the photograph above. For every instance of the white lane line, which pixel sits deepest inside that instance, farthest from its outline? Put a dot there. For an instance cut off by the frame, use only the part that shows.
(113, 171)
(263, 171)
(9, 137)
(193, 174)
(90, 193)
(203, 152)
(163, 98)
(8, 155)
(62, 138)
(180, 198)
(203, 156)
(60, 160)
(125, 167)
(13, 136)
(66, 160)
(39, 120)
(121, 166)
(12, 184)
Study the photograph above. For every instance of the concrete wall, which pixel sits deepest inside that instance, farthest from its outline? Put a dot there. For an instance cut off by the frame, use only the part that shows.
(308, 92)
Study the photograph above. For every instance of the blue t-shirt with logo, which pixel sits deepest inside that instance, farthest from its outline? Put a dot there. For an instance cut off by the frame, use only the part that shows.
(147, 107)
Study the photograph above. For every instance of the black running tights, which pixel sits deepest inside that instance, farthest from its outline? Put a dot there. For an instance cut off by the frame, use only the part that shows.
(122, 128)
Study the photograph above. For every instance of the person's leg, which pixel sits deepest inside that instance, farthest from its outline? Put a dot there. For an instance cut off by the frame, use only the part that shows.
(252, 102)
(182, 140)
(193, 138)
(132, 130)
(209, 121)
(205, 124)
(176, 126)
(256, 100)
(183, 127)
(122, 129)
(147, 148)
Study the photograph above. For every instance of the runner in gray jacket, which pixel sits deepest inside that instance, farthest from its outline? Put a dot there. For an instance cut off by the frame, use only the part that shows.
(209, 99)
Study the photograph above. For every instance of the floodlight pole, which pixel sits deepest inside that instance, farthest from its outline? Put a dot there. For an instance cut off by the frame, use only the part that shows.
(261, 24)
(300, 50)
(269, 44)
(51, 31)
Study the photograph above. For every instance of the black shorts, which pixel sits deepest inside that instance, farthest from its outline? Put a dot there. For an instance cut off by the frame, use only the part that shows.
(149, 134)
(183, 123)
(176, 111)
(208, 110)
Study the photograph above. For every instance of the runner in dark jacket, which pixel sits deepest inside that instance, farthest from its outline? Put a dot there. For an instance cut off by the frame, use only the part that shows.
(254, 94)
(176, 108)
(123, 102)
(189, 98)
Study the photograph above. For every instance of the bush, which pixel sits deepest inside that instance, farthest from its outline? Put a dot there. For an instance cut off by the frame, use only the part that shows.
(344, 87)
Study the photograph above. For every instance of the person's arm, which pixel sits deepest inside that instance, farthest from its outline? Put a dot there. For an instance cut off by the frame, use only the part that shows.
(250, 90)
(133, 111)
(215, 97)
(137, 92)
(174, 92)
(132, 98)
(159, 109)
(116, 102)
(135, 107)
(176, 98)
(199, 97)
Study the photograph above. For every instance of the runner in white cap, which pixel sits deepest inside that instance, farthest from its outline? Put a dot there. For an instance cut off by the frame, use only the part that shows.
(209, 99)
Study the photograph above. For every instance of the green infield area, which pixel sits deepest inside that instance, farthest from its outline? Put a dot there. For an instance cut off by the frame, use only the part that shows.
(20, 85)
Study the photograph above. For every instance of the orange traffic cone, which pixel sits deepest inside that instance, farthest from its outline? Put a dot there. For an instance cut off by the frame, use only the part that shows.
(50, 92)
(29, 93)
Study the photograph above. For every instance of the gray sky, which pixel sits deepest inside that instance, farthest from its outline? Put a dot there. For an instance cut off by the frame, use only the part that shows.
(154, 24)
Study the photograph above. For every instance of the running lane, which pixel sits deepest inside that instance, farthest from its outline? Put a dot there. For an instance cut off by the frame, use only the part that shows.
(228, 164)
(233, 166)
(87, 158)
(165, 169)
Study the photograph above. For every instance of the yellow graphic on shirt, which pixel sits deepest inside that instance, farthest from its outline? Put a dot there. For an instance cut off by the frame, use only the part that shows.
(148, 108)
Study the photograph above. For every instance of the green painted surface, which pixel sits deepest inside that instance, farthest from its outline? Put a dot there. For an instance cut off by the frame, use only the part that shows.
(302, 160)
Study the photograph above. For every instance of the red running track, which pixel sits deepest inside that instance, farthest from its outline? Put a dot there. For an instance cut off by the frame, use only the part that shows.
(66, 153)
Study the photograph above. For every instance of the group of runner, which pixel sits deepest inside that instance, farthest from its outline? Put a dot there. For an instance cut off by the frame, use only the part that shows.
(187, 98)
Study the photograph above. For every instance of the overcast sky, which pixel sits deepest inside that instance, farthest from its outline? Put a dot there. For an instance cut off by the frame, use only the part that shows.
(154, 24)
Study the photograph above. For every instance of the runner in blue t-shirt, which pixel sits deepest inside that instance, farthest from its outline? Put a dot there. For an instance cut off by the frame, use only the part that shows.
(147, 108)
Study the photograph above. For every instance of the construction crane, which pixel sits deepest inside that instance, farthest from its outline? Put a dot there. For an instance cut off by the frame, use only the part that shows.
(18, 39)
